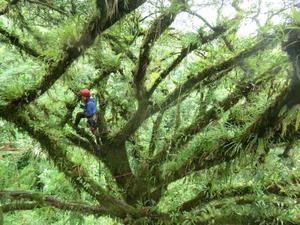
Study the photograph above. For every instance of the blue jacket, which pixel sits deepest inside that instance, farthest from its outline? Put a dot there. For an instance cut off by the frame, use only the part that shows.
(90, 106)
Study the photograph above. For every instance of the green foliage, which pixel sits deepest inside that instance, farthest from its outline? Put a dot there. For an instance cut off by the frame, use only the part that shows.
(63, 36)
(296, 15)
(1, 24)
(108, 68)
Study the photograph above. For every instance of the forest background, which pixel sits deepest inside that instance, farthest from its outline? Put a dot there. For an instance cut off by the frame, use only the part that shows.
(198, 112)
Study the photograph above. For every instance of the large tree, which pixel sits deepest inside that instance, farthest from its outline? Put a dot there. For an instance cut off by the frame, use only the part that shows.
(181, 110)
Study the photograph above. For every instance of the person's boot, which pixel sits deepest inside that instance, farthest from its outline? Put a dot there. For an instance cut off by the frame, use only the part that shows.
(93, 129)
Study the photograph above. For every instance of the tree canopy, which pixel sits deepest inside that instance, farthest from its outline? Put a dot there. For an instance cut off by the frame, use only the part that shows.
(197, 105)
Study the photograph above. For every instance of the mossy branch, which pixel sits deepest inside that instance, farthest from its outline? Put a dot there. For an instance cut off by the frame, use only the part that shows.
(155, 133)
(41, 200)
(157, 28)
(202, 198)
(14, 40)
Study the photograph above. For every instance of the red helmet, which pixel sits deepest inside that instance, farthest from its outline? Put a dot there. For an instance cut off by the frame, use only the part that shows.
(85, 92)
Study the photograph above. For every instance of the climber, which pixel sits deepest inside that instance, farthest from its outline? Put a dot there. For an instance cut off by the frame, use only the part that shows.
(89, 112)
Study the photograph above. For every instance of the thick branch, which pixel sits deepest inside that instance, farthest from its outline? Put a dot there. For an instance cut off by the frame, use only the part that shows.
(155, 132)
(19, 206)
(102, 123)
(202, 198)
(177, 122)
(43, 201)
(132, 125)
(84, 144)
(155, 31)
(14, 40)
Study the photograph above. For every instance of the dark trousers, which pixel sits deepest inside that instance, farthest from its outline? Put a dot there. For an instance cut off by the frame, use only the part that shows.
(91, 121)
(79, 116)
